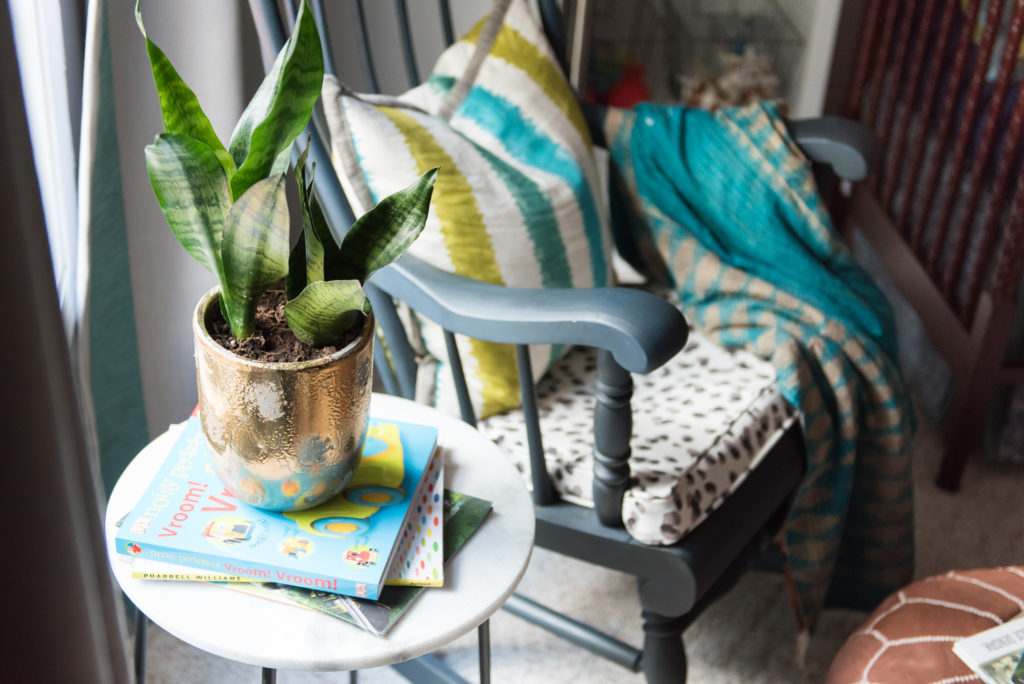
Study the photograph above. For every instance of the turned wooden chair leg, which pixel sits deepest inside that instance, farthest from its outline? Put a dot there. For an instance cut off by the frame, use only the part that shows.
(664, 658)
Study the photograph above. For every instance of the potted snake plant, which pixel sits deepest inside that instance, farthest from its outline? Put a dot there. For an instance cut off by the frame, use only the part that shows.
(284, 342)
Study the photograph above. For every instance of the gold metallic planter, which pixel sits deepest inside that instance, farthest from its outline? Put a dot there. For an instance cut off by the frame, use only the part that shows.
(283, 436)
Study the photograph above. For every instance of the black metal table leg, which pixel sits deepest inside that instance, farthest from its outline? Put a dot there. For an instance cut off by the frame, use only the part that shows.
(483, 634)
(269, 675)
(141, 623)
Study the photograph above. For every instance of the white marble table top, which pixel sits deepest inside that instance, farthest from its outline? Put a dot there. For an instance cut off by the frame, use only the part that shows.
(261, 632)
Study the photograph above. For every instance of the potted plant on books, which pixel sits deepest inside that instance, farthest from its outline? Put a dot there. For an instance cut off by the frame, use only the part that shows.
(284, 343)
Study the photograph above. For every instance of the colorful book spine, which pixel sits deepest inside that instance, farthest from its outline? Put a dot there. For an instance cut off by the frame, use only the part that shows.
(463, 514)
(187, 517)
(417, 562)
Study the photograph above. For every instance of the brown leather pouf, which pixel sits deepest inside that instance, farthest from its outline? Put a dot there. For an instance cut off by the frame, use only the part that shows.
(910, 636)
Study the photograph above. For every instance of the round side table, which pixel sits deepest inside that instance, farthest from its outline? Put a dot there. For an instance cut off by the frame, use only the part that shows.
(478, 579)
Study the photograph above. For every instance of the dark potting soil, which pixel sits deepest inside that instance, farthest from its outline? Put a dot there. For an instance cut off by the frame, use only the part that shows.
(273, 341)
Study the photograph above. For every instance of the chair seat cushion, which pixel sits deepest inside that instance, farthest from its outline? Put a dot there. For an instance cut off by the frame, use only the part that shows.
(700, 423)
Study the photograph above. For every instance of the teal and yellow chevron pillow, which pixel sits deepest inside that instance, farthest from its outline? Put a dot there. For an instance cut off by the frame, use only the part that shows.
(517, 199)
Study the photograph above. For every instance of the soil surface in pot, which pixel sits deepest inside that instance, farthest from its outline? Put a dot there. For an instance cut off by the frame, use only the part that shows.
(273, 341)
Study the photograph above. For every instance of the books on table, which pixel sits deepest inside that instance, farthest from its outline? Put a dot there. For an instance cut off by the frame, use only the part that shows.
(418, 557)
(463, 514)
(347, 545)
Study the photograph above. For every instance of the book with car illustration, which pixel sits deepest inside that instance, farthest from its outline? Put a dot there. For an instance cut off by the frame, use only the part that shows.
(347, 545)
(463, 514)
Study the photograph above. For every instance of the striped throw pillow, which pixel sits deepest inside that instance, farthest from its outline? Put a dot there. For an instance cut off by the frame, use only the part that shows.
(517, 199)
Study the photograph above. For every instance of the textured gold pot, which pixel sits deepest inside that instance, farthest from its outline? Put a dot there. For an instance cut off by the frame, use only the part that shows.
(283, 436)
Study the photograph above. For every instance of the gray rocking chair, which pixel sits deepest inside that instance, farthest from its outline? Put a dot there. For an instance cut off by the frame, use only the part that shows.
(635, 332)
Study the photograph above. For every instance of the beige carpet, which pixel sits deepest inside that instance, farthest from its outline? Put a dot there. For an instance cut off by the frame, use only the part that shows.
(746, 637)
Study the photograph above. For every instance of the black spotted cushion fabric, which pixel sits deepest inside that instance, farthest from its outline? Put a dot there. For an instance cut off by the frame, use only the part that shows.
(700, 423)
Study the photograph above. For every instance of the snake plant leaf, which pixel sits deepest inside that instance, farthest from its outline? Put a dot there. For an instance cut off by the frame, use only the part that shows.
(192, 190)
(383, 233)
(325, 310)
(320, 246)
(179, 106)
(296, 280)
(281, 106)
(254, 250)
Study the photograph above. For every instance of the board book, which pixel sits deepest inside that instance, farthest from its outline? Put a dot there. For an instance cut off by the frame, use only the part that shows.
(346, 545)
(996, 655)
(463, 515)
(417, 561)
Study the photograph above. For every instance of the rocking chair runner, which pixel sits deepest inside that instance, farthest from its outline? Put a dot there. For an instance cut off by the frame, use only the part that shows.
(634, 332)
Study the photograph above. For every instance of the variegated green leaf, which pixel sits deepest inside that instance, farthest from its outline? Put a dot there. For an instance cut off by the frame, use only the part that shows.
(254, 249)
(281, 106)
(317, 239)
(178, 104)
(296, 279)
(192, 190)
(326, 310)
(382, 234)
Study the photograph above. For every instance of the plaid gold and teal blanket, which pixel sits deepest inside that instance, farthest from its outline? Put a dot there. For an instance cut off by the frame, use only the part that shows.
(730, 207)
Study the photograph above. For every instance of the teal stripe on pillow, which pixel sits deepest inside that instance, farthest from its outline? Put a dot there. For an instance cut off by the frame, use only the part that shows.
(540, 220)
(441, 84)
(527, 144)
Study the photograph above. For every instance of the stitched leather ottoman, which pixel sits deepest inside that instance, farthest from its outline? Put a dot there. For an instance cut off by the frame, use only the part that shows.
(910, 636)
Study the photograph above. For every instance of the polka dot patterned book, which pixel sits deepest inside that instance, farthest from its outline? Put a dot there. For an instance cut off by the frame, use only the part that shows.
(419, 557)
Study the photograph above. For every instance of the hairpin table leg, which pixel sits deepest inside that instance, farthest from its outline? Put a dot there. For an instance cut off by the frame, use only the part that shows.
(484, 644)
(269, 675)
(141, 622)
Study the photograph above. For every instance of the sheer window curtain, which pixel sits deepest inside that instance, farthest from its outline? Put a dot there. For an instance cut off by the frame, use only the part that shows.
(83, 206)
(126, 288)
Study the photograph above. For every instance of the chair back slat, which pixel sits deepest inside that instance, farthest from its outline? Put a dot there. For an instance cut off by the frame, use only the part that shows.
(321, 21)
(543, 489)
(269, 28)
(459, 376)
(363, 41)
(408, 52)
(400, 360)
(551, 19)
(385, 372)
(446, 22)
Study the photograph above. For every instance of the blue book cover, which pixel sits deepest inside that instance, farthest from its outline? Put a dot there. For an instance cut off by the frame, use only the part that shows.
(187, 516)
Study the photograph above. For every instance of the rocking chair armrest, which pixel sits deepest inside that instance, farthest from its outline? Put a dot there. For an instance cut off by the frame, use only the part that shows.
(639, 329)
(849, 147)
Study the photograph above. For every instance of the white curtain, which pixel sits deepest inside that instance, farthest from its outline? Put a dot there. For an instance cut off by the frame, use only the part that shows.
(208, 42)
(126, 287)
(38, 27)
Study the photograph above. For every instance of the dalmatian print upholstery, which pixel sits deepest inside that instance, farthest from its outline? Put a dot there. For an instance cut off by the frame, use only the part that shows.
(701, 422)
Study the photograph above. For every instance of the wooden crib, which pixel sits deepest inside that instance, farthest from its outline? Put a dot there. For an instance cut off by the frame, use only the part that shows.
(940, 82)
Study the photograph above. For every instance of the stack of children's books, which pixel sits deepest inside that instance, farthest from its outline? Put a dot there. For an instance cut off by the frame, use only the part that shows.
(363, 556)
